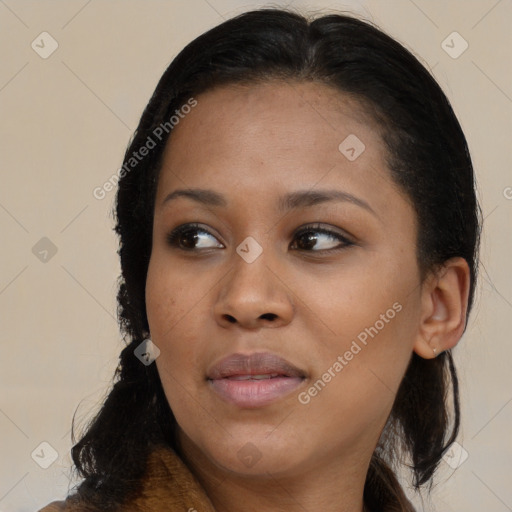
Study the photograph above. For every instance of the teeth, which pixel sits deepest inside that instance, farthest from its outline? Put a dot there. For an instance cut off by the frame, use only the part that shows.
(254, 377)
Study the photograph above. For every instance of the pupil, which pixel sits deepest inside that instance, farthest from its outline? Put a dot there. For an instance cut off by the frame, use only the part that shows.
(190, 239)
(308, 241)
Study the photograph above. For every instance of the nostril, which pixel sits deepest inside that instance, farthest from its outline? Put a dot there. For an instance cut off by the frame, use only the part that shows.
(266, 316)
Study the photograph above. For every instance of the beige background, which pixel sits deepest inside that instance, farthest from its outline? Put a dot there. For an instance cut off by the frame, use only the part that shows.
(65, 123)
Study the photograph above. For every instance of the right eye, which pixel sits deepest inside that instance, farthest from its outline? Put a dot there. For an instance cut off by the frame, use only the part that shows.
(190, 237)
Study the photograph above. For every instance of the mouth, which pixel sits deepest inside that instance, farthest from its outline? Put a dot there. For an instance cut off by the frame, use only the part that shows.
(256, 377)
(255, 380)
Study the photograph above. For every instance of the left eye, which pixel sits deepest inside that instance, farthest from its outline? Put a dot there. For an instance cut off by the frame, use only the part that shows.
(321, 239)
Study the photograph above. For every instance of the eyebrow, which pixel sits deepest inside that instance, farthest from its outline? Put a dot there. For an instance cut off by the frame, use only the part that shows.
(291, 201)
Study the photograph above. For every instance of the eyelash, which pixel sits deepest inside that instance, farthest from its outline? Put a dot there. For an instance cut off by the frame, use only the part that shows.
(173, 238)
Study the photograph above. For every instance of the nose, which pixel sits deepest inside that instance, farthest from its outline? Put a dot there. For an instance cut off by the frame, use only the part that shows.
(253, 295)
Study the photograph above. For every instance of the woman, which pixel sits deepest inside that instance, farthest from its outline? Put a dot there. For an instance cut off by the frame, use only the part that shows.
(298, 239)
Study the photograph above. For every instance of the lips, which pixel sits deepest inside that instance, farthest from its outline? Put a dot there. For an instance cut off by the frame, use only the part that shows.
(263, 363)
(254, 380)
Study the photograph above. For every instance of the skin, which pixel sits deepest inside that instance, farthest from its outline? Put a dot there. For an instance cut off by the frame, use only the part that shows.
(252, 145)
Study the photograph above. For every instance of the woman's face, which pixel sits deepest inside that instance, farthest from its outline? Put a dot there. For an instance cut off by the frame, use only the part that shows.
(302, 255)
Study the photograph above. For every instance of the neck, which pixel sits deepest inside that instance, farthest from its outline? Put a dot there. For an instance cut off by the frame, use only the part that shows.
(333, 486)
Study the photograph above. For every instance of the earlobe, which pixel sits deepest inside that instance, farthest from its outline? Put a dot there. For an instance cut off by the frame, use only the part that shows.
(444, 305)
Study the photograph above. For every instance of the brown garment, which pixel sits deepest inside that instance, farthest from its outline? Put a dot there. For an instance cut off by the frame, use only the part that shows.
(169, 486)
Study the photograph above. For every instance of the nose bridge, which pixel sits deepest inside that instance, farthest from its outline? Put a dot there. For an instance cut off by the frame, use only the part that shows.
(251, 294)
(250, 272)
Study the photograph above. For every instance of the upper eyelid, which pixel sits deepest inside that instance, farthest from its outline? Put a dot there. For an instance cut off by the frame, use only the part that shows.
(323, 229)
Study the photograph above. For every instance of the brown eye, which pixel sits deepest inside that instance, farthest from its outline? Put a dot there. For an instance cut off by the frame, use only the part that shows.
(190, 237)
(317, 239)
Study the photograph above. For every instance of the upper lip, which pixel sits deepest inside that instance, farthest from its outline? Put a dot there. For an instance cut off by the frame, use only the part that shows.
(261, 363)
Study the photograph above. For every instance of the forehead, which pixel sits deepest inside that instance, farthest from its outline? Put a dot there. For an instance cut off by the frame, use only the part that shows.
(275, 136)
(306, 112)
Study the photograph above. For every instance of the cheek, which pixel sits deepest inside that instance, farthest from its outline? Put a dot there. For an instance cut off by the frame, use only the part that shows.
(166, 315)
(168, 297)
(174, 305)
(372, 318)
(357, 381)
(356, 298)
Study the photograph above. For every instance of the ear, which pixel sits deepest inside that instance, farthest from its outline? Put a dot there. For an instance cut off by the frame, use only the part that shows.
(444, 302)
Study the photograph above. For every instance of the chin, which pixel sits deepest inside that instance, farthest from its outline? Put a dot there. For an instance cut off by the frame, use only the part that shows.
(249, 460)
(254, 454)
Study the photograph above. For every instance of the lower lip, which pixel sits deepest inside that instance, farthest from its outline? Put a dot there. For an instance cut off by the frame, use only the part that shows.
(254, 393)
